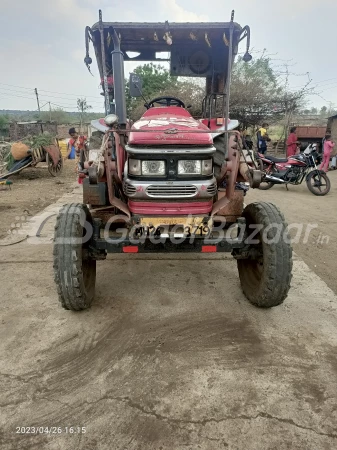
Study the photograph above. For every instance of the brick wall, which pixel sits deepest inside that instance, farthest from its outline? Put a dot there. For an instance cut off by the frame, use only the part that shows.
(19, 131)
(62, 130)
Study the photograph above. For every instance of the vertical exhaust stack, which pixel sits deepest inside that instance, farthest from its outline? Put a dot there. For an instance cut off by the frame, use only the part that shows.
(119, 82)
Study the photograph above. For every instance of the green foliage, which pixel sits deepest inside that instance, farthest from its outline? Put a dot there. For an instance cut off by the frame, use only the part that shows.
(4, 125)
(41, 140)
(3, 122)
(9, 160)
(6, 158)
(259, 70)
(57, 115)
(157, 81)
(155, 78)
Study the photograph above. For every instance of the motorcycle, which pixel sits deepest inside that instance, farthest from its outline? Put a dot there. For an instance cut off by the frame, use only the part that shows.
(294, 170)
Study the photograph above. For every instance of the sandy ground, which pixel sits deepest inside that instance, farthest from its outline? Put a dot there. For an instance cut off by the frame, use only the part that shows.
(171, 356)
(33, 189)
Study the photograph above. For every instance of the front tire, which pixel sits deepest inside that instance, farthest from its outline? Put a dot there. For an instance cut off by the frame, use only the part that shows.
(265, 277)
(74, 269)
(318, 183)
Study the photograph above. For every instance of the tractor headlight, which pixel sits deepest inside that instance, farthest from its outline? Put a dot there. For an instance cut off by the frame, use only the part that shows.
(195, 167)
(146, 168)
(153, 168)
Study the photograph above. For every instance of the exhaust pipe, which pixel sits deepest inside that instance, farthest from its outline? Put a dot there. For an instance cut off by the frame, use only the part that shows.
(270, 179)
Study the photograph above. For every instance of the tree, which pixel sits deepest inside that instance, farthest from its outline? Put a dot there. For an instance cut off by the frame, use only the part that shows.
(57, 115)
(82, 107)
(324, 110)
(4, 125)
(157, 81)
(258, 95)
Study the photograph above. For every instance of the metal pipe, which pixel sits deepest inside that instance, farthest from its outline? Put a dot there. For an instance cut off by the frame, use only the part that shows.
(119, 81)
(105, 77)
(229, 76)
(271, 179)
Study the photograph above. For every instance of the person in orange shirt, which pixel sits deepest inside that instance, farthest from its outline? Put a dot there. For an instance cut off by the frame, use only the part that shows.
(78, 142)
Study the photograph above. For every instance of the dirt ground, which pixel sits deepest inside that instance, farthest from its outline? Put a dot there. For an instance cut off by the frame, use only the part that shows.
(32, 190)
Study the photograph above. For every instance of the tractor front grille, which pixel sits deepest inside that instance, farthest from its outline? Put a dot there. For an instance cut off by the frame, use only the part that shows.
(181, 191)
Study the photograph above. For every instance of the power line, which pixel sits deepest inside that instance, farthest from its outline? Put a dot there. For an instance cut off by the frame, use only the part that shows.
(12, 95)
(53, 92)
(49, 96)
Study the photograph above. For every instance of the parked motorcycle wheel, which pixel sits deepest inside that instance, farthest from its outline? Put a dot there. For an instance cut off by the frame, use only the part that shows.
(318, 182)
(264, 186)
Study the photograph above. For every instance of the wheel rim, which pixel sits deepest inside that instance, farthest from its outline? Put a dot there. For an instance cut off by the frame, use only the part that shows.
(54, 170)
(319, 182)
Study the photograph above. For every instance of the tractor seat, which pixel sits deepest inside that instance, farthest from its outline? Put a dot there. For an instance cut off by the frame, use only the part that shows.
(276, 160)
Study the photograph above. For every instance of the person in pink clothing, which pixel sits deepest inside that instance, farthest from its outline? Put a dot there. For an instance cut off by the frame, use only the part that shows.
(292, 143)
(328, 146)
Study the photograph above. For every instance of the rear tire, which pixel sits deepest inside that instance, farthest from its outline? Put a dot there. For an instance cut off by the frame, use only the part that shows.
(266, 280)
(74, 270)
(318, 182)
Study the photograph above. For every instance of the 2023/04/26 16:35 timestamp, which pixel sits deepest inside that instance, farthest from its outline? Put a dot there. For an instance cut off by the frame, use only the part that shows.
(50, 430)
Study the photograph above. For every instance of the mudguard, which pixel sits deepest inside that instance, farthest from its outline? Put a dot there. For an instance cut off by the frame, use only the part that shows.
(319, 171)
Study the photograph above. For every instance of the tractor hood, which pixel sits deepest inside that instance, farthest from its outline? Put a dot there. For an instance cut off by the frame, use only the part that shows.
(169, 126)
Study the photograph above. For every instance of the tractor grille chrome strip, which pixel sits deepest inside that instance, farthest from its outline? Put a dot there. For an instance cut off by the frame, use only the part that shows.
(129, 189)
(170, 149)
(212, 189)
(142, 190)
(171, 191)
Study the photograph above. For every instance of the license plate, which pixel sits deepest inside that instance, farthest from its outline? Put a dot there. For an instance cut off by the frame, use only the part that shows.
(178, 225)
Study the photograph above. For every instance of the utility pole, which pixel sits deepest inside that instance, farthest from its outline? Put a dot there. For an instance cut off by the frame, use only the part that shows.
(49, 112)
(38, 107)
(38, 103)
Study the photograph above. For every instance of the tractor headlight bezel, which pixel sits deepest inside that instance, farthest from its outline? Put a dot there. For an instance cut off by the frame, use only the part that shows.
(147, 168)
(188, 167)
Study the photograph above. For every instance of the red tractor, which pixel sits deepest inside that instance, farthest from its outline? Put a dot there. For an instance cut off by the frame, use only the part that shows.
(169, 182)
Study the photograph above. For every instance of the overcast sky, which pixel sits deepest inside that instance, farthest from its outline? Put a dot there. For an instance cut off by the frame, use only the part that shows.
(42, 43)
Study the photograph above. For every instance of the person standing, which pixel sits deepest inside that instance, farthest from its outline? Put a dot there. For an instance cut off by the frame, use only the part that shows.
(292, 143)
(78, 142)
(262, 138)
(328, 146)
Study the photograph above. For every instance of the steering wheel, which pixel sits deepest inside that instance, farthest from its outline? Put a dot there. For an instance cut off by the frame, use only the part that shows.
(166, 101)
